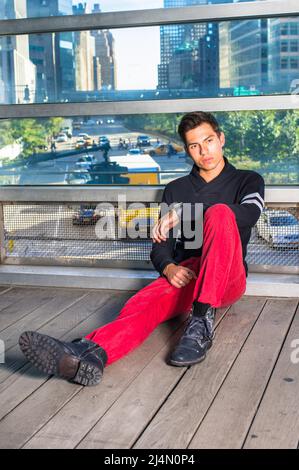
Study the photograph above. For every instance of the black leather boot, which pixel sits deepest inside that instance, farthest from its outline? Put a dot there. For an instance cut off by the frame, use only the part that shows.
(80, 361)
(196, 339)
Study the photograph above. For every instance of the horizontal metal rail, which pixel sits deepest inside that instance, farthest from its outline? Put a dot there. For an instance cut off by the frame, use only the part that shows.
(151, 17)
(244, 103)
(152, 193)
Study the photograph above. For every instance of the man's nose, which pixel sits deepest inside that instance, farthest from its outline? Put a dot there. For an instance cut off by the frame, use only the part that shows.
(202, 149)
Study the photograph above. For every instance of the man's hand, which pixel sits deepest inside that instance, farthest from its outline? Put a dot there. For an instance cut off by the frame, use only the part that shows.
(162, 227)
(178, 276)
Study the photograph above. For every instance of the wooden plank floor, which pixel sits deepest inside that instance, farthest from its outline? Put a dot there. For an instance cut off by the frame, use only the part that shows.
(244, 395)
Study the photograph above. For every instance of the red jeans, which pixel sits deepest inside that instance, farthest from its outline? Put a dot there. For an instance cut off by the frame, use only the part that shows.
(221, 281)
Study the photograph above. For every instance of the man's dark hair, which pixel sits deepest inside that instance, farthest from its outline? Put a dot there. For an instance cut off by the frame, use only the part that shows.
(191, 120)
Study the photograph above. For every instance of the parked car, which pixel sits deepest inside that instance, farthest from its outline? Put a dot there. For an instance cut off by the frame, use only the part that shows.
(85, 217)
(143, 140)
(100, 122)
(62, 137)
(86, 161)
(279, 228)
(165, 149)
(90, 122)
(110, 121)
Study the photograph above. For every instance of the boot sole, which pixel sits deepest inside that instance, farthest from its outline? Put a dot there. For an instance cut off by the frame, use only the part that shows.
(189, 363)
(49, 356)
(186, 364)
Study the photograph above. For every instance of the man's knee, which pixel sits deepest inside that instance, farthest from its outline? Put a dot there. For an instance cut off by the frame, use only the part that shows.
(219, 212)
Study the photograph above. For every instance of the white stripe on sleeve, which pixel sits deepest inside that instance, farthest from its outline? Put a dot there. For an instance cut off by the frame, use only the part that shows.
(253, 201)
(257, 195)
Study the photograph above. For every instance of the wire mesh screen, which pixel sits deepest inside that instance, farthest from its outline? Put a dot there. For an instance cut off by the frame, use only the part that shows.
(275, 238)
(78, 231)
(72, 232)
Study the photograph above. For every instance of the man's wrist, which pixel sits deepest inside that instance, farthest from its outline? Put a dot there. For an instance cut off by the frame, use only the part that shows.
(166, 269)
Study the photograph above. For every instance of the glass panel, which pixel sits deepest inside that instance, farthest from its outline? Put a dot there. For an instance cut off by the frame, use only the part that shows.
(11, 9)
(232, 58)
(140, 149)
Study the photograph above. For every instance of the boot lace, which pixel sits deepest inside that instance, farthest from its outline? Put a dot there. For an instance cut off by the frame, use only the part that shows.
(199, 328)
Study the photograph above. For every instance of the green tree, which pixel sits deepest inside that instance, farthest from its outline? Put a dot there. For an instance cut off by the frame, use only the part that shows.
(6, 137)
(52, 126)
(262, 135)
(287, 141)
(163, 124)
(235, 126)
(31, 134)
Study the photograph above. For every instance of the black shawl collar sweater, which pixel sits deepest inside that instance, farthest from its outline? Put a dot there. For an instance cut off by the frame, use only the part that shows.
(241, 190)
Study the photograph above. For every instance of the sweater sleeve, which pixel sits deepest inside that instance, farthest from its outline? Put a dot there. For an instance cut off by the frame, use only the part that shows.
(250, 201)
(162, 253)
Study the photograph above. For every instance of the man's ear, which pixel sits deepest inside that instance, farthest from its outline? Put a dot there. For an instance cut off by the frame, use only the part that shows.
(222, 138)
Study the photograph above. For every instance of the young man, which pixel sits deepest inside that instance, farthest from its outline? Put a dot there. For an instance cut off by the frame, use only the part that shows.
(202, 278)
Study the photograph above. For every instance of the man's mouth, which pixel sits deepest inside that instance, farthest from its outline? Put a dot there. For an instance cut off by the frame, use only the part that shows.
(207, 160)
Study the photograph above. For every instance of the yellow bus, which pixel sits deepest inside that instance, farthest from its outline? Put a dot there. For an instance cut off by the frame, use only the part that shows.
(142, 169)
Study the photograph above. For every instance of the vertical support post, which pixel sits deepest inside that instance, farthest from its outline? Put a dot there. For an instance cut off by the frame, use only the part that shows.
(2, 237)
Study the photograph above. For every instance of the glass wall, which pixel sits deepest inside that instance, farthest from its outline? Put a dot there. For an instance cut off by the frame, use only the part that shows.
(200, 60)
(140, 149)
(218, 59)
(11, 9)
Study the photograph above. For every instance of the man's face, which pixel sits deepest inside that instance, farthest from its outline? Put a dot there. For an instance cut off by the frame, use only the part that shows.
(205, 147)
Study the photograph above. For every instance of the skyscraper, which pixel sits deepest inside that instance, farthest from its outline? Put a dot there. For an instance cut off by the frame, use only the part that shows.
(52, 53)
(84, 46)
(243, 54)
(17, 72)
(189, 52)
(105, 53)
(283, 53)
(261, 54)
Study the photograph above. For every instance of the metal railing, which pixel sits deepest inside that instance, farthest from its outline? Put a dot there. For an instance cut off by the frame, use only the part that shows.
(98, 226)
(151, 17)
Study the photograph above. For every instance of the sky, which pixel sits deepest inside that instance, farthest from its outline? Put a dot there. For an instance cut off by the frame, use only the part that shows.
(122, 5)
(137, 55)
(137, 50)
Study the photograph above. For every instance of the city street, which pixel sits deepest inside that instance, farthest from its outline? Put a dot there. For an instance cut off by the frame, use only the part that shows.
(55, 171)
